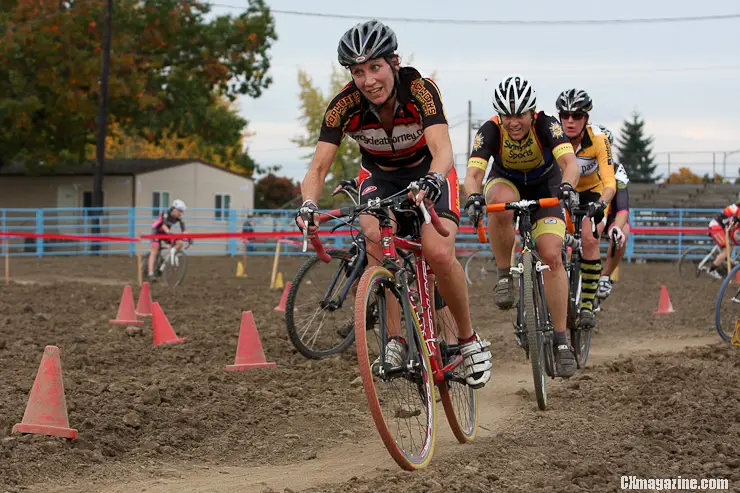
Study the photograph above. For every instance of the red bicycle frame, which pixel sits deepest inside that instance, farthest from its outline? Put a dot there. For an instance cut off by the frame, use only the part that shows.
(425, 318)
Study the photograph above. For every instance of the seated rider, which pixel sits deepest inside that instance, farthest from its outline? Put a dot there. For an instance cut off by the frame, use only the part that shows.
(596, 188)
(617, 226)
(730, 216)
(531, 159)
(397, 118)
(163, 226)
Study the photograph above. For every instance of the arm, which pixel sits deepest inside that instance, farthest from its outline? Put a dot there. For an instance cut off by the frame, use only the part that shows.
(438, 141)
(606, 169)
(313, 182)
(487, 138)
(621, 219)
(474, 180)
(569, 164)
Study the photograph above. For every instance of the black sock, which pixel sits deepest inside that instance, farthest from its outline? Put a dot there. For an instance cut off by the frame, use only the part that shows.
(560, 338)
(503, 272)
(467, 340)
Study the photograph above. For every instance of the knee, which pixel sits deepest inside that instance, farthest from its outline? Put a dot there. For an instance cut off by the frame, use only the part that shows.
(501, 220)
(589, 242)
(440, 255)
(552, 255)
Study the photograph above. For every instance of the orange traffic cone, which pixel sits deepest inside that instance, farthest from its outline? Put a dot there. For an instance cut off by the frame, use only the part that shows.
(162, 331)
(126, 312)
(283, 299)
(664, 305)
(144, 305)
(46, 410)
(249, 352)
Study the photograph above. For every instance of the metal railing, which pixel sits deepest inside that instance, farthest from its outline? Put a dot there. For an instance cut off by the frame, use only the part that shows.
(133, 222)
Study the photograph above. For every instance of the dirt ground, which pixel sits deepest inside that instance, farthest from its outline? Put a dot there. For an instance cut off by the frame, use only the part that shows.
(171, 419)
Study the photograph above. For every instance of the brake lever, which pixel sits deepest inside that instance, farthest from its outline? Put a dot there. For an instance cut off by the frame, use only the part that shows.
(414, 188)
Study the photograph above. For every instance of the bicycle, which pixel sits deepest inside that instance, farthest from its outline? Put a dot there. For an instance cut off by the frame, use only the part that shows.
(480, 266)
(171, 265)
(698, 260)
(726, 326)
(432, 360)
(580, 339)
(316, 326)
(533, 328)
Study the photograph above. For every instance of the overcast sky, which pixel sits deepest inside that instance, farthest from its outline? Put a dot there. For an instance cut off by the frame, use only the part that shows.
(683, 77)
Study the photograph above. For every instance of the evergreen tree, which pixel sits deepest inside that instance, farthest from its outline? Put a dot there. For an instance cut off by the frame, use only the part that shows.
(635, 151)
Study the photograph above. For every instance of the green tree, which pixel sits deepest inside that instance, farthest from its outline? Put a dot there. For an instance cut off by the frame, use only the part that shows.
(635, 151)
(313, 106)
(170, 69)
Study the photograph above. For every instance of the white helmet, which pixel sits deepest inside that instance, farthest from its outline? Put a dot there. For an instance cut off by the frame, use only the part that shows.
(179, 205)
(514, 96)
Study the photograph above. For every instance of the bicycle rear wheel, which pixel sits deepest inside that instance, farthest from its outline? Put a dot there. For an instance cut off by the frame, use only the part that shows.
(689, 264)
(727, 308)
(459, 400)
(402, 402)
(317, 326)
(535, 337)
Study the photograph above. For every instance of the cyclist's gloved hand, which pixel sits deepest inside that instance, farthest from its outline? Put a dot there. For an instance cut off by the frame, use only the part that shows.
(618, 235)
(474, 208)
(431, 185)
(596, 211)
(568, 194)
(351, 184)
(308, 212)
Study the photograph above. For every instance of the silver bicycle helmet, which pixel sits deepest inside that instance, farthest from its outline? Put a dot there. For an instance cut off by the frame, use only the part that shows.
(573, 100)
(365, 41)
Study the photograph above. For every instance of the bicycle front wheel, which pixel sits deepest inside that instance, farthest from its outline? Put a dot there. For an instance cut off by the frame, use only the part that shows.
(459, 400)
(175, 269)
(535, 337)
(690, 263)
(402, 401)
(727, 308)
(480, 268)
(319, 321)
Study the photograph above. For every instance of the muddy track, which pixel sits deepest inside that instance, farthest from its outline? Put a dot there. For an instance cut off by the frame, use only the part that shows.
(170, 419)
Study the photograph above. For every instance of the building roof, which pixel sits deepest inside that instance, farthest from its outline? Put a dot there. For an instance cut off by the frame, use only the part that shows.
(113, 167)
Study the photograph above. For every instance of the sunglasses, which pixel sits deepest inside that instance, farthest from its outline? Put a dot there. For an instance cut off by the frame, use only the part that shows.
(576, 116)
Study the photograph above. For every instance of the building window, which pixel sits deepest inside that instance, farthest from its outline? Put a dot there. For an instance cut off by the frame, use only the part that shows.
(160, 201)
(222, 206)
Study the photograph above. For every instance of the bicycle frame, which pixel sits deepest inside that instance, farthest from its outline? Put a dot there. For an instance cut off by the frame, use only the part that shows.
(424, 318)
(356, 272)
(528, 245)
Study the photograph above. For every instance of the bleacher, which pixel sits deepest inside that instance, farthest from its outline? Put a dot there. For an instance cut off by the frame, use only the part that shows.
(683, 195)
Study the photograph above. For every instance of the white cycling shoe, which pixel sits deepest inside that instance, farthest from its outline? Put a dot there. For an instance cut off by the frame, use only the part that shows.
(477, 363)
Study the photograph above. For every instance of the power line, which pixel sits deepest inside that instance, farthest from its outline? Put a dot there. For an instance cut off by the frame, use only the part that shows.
(512, 22)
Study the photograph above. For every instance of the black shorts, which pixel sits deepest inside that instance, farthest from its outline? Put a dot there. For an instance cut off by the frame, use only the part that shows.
(547, 220)
(377, 183)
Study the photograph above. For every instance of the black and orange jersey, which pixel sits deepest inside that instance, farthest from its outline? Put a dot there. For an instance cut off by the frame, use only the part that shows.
(595, 161)
(418, 106)
(522, 160)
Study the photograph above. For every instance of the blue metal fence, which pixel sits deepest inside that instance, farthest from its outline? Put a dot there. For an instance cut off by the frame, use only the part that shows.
(132, 222)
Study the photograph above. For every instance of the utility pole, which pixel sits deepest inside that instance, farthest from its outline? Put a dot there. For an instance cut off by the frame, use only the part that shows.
(97, 195)
(470, 126)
